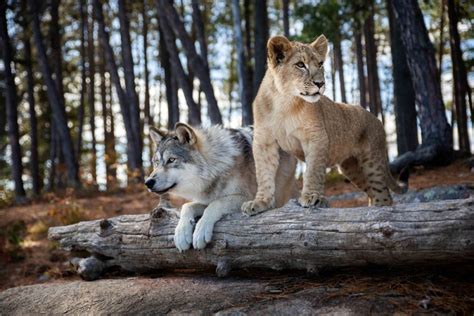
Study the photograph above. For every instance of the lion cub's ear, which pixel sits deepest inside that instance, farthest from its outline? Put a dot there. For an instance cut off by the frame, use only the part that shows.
(156, 134)
(321, 45)
(278, 47)
(185, 133)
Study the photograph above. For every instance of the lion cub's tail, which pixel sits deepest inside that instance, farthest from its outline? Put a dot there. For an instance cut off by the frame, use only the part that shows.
(399, 187)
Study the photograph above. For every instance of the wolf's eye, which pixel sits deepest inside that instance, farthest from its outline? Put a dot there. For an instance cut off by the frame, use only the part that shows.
(300, 64)
(171, 160)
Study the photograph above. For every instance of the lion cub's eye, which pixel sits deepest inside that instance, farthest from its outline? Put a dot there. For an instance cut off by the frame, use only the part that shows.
(321, 64)
(300, 64)
(171, 160)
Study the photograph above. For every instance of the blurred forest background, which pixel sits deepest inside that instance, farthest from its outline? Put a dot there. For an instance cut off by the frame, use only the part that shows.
(81, 81)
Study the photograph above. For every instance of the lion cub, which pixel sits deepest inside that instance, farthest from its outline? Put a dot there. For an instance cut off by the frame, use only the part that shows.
(291, 113)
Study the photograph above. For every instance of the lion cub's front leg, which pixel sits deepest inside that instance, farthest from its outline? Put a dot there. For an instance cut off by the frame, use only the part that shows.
(266, 164)
(314, 176)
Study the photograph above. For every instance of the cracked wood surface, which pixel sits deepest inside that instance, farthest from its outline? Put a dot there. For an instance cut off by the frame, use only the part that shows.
(290, 237)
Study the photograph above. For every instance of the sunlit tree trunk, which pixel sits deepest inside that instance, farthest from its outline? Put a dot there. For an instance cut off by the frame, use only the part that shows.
(360, 66)
(82, 53)
(286, 19)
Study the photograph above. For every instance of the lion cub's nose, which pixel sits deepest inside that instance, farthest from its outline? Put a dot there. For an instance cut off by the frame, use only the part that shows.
(319, 84)
(150, 183)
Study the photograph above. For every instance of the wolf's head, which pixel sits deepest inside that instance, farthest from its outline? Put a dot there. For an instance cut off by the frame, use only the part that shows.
(175, 162)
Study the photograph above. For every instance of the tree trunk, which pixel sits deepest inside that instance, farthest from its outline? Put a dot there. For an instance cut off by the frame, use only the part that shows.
(286, 19)
(460, 90)
(436, 133)
(11, 103)
(199, 65)
(247, 117)
(82, 52)
(248, 50)
(332, 58)
(360, 66)
(286, 238)
(30, 81)
(146, 101)
(55, 100)
(200, 33)
(181, 77)
(375, 102)
(170, 84)
(260, 42)
(133, 152)
(110, 155)
(130, 89)
(404, 95)
(91, 95)
(340, 68)
(441, 40)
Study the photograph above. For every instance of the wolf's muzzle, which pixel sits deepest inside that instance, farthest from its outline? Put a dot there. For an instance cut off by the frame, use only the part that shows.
(150, 183)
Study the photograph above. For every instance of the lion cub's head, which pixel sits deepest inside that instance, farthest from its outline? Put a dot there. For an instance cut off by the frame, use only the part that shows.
(298, 68)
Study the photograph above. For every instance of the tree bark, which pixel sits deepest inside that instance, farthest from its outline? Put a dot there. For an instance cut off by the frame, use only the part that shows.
(200, 67)
(286, 238)
(435, 131)
(286, 17)
(441, 40)
(82, 53)
(133, 152)
(340, 68)
(460, 90)
(260, 42)
(11, 105)
(404, 95)
(146, 101)
(55, 100)
(375, 102)
(91, 94)
(247, 117)
(360, 66)
(200, 33)
(170, 83)
(130, 89)
(181, 76)
(34, 160)
(248, 50)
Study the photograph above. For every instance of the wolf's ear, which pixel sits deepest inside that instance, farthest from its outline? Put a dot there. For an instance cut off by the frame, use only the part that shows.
(321, 45)
(185, 133)
(156, 134)
(278, 48)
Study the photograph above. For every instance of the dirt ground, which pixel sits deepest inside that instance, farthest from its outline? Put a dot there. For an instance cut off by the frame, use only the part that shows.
(27, 257)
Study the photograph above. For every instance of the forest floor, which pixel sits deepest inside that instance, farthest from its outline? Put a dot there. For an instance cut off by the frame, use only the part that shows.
(27, 257)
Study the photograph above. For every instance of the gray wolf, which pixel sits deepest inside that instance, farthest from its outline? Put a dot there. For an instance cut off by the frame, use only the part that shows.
(213, 169)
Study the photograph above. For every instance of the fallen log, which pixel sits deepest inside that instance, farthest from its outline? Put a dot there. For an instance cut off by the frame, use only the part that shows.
(290, 237)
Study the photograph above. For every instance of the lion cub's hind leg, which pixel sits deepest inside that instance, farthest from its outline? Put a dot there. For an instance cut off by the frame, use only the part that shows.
(373, 168)
(352, 170)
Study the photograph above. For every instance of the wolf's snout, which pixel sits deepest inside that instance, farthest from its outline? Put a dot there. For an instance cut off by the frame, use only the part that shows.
(150, 183)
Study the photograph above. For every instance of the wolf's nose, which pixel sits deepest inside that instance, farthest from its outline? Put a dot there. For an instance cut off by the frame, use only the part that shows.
(318, 84)
(150, 183)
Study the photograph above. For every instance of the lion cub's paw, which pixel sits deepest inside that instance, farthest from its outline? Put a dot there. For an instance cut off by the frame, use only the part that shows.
(313, 199)
(256, 206)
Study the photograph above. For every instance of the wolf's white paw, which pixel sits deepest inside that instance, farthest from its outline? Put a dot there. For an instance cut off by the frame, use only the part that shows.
(183, 234)
(203, 233)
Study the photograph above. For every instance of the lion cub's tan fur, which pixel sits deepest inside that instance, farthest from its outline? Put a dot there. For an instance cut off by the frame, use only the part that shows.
(291, 113)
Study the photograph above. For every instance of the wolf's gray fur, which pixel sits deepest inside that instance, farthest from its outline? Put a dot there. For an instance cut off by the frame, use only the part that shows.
(212, 168)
